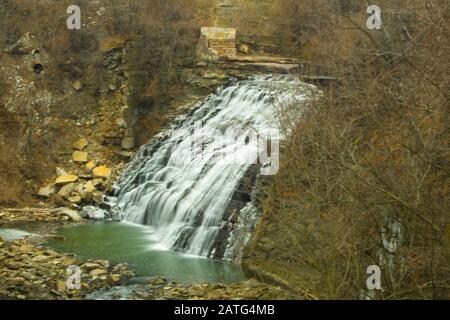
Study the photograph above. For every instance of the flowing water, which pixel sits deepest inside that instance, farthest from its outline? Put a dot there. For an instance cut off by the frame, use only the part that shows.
(182, 183)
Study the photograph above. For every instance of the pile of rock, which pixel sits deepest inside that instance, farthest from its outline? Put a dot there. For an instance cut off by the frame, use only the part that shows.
(36, 214)
(86, 186)
(160, 288)
(33, 272)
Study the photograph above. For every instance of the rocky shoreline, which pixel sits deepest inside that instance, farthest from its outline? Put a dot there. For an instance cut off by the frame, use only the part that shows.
(33, 272)
(159, 288)
(29, 271)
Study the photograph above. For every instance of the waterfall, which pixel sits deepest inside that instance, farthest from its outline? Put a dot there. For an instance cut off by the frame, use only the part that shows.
(181, 183)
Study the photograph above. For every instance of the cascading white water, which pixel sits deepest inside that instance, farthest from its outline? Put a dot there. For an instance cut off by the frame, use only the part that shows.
(181, 187)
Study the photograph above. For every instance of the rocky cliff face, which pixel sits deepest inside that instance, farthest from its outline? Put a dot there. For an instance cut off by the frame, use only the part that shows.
(59, 85)
(56, 86)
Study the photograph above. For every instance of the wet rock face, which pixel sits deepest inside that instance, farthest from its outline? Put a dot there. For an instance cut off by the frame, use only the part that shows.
(241, 197)
(93, 213)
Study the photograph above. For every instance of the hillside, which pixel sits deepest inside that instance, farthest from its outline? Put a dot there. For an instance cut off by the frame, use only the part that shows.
(95, 123)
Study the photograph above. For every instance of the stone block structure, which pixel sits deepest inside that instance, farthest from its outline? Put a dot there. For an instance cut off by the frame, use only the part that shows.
(216, 42)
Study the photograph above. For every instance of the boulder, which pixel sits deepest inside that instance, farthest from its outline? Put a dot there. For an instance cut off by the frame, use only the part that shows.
(93, 213)
(244, 48)
(113, 213)
(101, 172)
(157, 281)
(17, 281)
(90, 165)
(41, 257)
(97, 182)
(62, 180)
(80, 156)
(86, 196)
(97, 197)
(79, 188)
(61, 172)
(80, 144)
(25, 248)
(116, 278)
(61, 286)
(75, 199)
(110, 140)
(67, 190)
(69, 262)
(77, 85)
(124, 155)
(128, 143)
(98, 272)
(47, 191)
(121, 123)
(91, 265)
(104, 263)
(89, 187)
(85, 176)
(73, 215)
(109, 44)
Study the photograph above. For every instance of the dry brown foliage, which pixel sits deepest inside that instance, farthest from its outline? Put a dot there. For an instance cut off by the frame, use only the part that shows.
(364, 178)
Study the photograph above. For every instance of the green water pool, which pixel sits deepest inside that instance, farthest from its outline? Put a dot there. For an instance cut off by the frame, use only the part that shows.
(136, 245)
